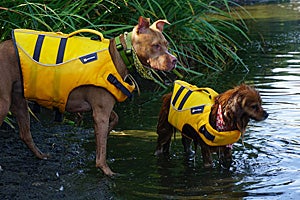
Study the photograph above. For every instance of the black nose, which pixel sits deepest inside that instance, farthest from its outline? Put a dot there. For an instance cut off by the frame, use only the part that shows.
(174, 61)
(265, 115)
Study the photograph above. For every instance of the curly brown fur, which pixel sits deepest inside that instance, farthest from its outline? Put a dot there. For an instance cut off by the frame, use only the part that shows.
(239, 105)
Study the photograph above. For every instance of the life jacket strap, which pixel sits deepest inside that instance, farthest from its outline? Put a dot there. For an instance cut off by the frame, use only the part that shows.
(38, 47)
(207, 134)
(113, 80)
(184, 99)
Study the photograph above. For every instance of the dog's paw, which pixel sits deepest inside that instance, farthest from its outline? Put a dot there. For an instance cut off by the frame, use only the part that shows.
(47, 156)
(161, 151)
(226, 164)
(158, 152)
(43, 156)
(208, 165)
(190, 154)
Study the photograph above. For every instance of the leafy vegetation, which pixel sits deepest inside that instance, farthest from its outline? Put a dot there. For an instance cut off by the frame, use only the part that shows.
(199, 33)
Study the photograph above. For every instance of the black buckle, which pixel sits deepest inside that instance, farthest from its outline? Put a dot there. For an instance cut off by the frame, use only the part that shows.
(128, 52)
(207, 134)
(119, 47)
(113, 80)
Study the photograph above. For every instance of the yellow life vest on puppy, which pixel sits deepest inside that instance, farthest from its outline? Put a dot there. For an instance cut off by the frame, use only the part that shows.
(53, 64)
(192, 105)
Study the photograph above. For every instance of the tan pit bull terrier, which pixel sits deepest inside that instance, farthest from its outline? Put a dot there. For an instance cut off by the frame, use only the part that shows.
(149, 46)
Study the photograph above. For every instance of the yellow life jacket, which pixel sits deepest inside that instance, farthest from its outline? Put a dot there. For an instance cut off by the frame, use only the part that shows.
(192, 105)
(53, 64)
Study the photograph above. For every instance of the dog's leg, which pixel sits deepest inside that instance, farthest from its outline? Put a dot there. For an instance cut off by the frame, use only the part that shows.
(206, 156)
(104, 119)
(4, 106)
(187, 146)
(19, 109)
(165, 131)
(101, 126)
(113, 120)
(225, 156)
(164, 139)
(101, 103)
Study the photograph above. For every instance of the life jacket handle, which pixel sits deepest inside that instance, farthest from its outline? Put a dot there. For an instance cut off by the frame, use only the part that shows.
(86, 30)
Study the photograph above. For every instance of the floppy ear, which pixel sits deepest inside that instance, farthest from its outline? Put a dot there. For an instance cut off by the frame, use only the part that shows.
(144, 23)
(242, 118)
(242, 124)
(159, 25)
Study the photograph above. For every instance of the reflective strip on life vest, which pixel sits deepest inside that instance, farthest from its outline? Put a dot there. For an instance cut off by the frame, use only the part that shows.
(38, 47)
(178, 93)
(61, 50)
(186, 96)
(184, 99)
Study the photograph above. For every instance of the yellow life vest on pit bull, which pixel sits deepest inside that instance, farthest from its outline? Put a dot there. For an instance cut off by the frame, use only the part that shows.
(53, 64)
(192, 105)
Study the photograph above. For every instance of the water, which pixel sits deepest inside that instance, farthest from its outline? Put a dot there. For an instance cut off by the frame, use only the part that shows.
(265, 167)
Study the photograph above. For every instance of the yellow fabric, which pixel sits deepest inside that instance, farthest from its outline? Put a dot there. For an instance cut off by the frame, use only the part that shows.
(84, 62)
(195, 112)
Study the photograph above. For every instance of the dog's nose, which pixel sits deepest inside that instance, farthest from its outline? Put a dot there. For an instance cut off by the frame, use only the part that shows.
(174, 61)
(265, 115)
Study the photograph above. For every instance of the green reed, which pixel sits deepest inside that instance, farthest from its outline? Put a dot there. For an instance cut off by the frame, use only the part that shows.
(199, 33)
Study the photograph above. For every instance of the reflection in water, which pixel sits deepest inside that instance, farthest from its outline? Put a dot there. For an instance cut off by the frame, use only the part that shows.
(277, 142)
(267, 165)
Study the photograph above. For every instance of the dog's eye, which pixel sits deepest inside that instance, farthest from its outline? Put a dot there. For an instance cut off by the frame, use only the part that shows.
(254, 107)
(156, 46)
(167, 44)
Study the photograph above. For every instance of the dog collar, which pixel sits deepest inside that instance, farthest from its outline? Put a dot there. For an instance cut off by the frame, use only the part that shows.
(125, 50)
(220, 124)
(130, 58)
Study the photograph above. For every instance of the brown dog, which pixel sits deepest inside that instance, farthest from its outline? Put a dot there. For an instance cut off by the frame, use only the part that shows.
(224, 119)
(152, 51)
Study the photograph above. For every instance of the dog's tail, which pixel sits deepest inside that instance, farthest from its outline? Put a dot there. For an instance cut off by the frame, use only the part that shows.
(164, 129)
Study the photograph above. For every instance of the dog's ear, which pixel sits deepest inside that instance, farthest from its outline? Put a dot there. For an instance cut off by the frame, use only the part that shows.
(242, 124)
(242, 97)
(159, 25)
(144, 23)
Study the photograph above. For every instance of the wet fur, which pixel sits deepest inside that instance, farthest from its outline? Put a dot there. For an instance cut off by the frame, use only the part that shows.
(239, 105)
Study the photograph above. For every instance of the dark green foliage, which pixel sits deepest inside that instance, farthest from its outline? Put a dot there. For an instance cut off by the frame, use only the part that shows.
(198, 34)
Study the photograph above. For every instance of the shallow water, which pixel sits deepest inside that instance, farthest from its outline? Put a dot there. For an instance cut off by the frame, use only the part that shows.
(265, 167)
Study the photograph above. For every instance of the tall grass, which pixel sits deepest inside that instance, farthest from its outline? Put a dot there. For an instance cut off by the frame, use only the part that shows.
(199, 33)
